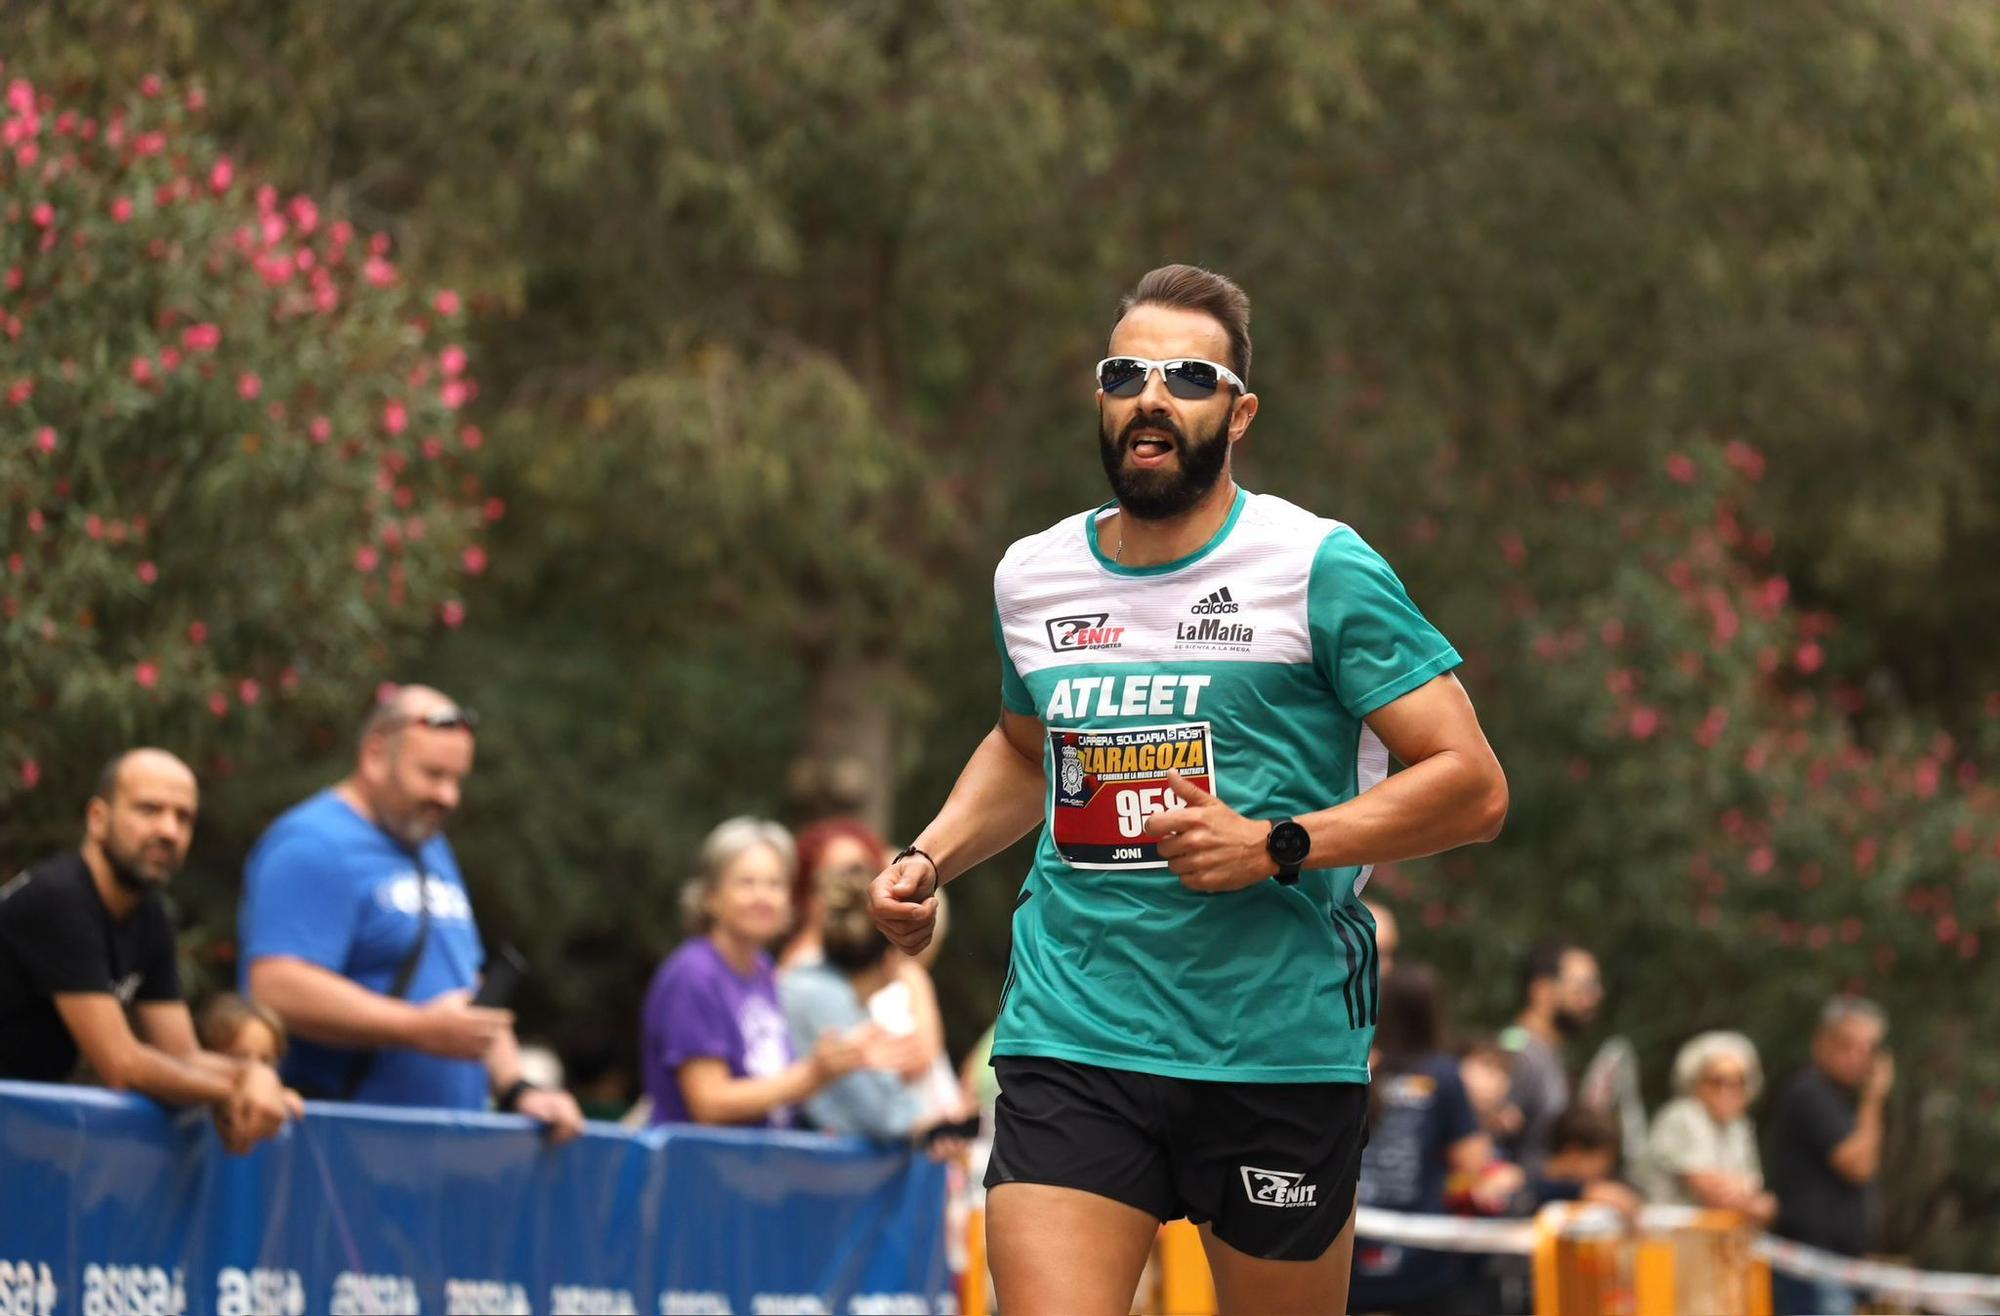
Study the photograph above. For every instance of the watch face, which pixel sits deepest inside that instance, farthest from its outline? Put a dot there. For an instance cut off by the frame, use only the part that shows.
(1290, 843)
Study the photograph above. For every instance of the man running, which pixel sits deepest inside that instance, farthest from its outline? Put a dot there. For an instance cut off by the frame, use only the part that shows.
(1201, 687)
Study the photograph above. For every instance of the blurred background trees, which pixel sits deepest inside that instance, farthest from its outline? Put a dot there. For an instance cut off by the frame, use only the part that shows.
(1655, 345)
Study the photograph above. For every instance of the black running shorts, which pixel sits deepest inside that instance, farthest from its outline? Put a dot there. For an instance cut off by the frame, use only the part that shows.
(1271, 1166)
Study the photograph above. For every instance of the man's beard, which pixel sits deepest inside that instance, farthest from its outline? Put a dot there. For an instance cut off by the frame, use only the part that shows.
(1162, 493)
(127, 871)
(1569, 1023)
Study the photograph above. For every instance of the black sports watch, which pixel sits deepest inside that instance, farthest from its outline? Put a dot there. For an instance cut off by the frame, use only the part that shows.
(1288, 844)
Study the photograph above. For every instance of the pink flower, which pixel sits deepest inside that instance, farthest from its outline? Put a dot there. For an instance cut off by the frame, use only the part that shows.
(147, 675)
(197, 632)
(170, 358)
(45, 439)
(142, 370)
(43, 214)
(197, 100)
(248, 385)
(93, 525)
(21, 391)
(452, 361)
(1744, 459)
(366, 558)
(474, 558)
(1762, 860)
(305, 214)
(267, 199)
(446, 302)
(36, 521)
(201, 337)
(378, 244)
(471, 438)
(1643, 723)
(433, 448)
(248, 691)
(1809, 657)
(1680, 468)
(221, 175)
(452, 613)
(321, 429)
(395, 417)
(218, 704)
(495, 509)
(121, 209)
(453, 394)
(149, 86)
(31, 774)
(378, 272)
(148, 573)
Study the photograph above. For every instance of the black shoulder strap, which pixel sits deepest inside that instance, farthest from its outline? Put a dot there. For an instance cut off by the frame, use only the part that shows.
(363, 1064)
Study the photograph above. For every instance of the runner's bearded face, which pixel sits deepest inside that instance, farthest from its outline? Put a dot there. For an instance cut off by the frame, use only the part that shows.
(1192, 465)
(1164, 447)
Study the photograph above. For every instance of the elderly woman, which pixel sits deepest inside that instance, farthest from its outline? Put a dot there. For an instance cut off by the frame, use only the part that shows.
(714, 1043)
(1701, 1150)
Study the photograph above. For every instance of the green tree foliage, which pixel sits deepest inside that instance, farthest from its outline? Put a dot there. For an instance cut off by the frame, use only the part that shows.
(1646, 341)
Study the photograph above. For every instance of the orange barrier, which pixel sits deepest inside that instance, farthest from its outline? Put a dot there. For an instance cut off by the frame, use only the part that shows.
(1704, 1262)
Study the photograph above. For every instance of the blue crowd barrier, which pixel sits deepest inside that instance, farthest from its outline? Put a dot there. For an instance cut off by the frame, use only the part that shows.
(111, 1205)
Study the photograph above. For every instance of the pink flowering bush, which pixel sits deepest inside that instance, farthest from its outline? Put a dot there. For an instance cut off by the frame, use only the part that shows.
(235, 476)
(1690, 778)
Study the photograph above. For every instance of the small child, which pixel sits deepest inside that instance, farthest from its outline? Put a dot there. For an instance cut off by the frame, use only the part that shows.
(242, 1028)
(1584, 1148)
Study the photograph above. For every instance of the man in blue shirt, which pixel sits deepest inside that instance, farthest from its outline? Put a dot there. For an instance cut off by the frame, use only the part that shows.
(356, 929)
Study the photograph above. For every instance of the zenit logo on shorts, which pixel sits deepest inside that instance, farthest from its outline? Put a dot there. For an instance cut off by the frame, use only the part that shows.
(1138, 671)
(1278, 1187)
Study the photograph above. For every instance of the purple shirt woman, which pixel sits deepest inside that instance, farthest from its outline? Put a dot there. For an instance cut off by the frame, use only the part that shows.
(714, 1044)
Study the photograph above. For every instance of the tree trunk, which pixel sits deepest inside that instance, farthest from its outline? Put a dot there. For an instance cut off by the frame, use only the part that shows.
(847, 763)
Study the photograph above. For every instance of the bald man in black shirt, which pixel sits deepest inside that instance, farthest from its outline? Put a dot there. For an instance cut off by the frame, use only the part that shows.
(85, 938)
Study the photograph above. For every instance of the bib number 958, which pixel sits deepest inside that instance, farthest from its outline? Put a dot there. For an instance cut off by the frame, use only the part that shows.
(1135, 806)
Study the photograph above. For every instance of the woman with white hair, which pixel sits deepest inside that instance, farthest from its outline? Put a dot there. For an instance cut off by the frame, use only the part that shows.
(1701, 1149)
(714, 1045)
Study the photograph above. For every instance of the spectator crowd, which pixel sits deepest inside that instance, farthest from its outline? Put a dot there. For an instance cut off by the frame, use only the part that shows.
(364, 978)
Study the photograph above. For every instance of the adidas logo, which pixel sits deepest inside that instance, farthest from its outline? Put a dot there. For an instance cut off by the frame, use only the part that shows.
(1214, 605)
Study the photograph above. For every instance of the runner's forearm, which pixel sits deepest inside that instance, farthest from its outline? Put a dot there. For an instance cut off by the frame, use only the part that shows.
(998, 798)
(1448, 800)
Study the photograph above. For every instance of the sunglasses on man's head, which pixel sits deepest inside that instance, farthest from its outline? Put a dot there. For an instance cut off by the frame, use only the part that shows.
(444, 719)
(1187, 377)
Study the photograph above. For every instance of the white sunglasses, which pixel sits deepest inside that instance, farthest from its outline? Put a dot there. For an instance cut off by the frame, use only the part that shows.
(1185, 376)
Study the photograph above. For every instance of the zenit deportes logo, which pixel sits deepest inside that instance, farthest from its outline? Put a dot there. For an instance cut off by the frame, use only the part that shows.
(1215, 604)
(1087, 631)
(1278, 1187)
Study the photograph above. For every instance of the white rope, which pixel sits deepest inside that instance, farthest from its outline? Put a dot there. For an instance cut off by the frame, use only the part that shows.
(1938, 1291)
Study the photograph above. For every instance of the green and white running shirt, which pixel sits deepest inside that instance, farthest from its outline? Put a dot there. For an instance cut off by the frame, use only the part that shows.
(1248, 666)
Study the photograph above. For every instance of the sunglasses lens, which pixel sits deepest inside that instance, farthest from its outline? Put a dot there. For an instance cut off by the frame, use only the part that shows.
(1192, 379)
(1122, 377)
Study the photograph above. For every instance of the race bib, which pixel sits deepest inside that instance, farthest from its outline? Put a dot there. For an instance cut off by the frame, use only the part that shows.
(1107, 783)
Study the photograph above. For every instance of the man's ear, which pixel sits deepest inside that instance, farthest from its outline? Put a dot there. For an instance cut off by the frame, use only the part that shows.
(1240, 418)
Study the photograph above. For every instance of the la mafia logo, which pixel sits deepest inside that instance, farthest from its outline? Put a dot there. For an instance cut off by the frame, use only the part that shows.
(1090, 630)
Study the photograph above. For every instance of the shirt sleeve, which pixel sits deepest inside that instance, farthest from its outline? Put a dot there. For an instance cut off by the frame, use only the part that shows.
(1819, 1120)
(60, 946)
(693, 1022)
(296, 903)
(160, 975)
(1014, 696)
(1369, 641)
